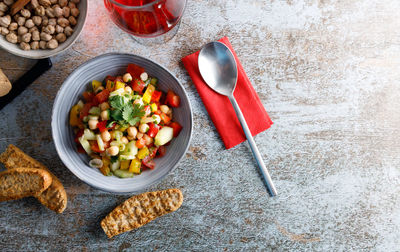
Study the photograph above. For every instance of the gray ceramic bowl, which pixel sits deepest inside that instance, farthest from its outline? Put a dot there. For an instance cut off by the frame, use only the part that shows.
(71, 91)
(41, 54)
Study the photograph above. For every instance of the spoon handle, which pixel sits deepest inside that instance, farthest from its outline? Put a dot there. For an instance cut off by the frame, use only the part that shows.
(254, 149)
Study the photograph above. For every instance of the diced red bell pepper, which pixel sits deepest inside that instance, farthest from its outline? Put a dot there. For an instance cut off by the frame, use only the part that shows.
(148, 162)
(153, 152)
(138, 86)
(172, 99)
(95, 147)
(158, 112)
(135, 70)
(109, 78)
(176, 127)
(156, 96)
(85, 110)
(140, 143)
(165, 118)
(88, 96)
(102, 126)
(161, 151)
(102, 96)
(153, 129)
(80, 149)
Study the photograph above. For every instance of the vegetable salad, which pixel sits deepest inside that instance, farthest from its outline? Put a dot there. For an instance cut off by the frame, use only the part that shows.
(124, 123)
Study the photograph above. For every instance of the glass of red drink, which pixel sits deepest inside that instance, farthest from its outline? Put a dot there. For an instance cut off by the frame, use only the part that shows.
(148, 21)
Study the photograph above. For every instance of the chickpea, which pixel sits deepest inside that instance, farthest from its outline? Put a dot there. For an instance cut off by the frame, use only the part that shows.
(21, 21)
(50, 12)
(5, 21)
(93, 124)
(68, 31)
(29, 23)
(71, 5)
(26, 37)
(139, 135)
(72, 20)
(130, 138)
(144, 76)
(13, 26)
(22, 30)
(124, 140)
(50, 29)
(106, 136)
(143, 128)
(4, 31)
(34, 45)
(52, 44)
(66, 11)
(12, 38)
(75, 12)
(104, 115)
(148, 140)
(128, 89)
(127, 77)
(164, 109)
(75, 1)
(52, 21)
(8, 2)
(45, 37)
(42, 44)
(61, 37)
(40, 11)
(45, 3)
(37, 20)
(33, 29)
(35, 36)
(58, 12)
(3, 7)
(53, 1)
(104, 106)
(63, 3)
(25, 46)
(59, 29)
(35, 3)
(45, 21)
(25, 13)
(113, 151)
(132, 131)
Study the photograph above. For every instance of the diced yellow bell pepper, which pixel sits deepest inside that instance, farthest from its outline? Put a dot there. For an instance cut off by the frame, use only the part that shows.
(96, 84)
(149, 92)
(125, 164)
(110, 85)
(105, 169)
(135, 166)
(74, 116)
(143, 152)
(122, 129)
(153, 107)
(119, 85)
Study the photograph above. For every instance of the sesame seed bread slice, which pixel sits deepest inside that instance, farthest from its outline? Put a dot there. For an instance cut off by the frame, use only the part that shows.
(140, 210)
(55, 197)
(23, 182)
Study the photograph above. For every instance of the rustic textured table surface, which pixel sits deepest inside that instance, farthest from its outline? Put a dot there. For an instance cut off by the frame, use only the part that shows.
(327, 72)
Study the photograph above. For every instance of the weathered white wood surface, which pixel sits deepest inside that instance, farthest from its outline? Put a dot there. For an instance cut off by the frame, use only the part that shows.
(327, 72)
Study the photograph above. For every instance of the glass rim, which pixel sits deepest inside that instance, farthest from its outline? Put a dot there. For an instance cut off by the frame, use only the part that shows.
(135, 7)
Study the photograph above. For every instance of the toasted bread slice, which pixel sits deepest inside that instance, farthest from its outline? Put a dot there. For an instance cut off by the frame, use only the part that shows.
(23, 182)
(55, 197)
(140, 210)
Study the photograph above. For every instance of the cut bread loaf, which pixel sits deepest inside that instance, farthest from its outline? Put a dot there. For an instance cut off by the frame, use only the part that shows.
(23, 182)
(140, 210)
(5, 84)
(55, 197)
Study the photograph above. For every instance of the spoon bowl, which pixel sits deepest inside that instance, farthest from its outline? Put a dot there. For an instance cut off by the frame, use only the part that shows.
(218, 67)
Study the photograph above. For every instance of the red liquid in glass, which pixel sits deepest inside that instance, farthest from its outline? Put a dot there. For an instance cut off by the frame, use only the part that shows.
(150, 20)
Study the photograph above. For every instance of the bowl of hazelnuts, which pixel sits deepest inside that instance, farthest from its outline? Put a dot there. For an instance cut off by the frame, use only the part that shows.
(39, 29)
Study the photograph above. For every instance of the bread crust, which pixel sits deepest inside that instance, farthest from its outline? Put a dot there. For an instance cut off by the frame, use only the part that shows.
(140, 210)
(5, 84)
(23, 182)
(55, 197)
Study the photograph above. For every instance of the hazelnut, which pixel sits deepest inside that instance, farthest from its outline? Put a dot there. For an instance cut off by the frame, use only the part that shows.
(63, 3)
(42, 44)
(5, 21)
(8, 2)
(59, 29)
(29, 23)
(40, 11)
(63, 22)
(22, 30)
(35, 36)
(66, 11)
(13, 26)
(45, 3)
(25, 46)
(53, 21)
(26, 37)
(12, 38)
(58, 12)
(35, 3)
(61, 37)
(3, 7)
(68, 31)
(34, 45)
(50, 29)
(45, 37)
(75, 12)
(4, 31)
(52, 44)
(25, 13)
(37, 20)
(21, 21)
(50, 12)
(72, 20)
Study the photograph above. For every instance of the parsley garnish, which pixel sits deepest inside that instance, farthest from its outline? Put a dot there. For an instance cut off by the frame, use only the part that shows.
(132, 114)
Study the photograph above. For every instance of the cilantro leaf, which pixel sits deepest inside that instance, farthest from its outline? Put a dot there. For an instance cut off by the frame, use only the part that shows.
(132, 114)
(116, 115)
(118, 102)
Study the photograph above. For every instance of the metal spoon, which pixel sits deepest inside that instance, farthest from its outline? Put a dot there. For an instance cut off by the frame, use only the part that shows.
(219, 70)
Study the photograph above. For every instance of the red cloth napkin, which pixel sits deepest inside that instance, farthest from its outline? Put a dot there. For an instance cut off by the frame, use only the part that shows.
(219, 107)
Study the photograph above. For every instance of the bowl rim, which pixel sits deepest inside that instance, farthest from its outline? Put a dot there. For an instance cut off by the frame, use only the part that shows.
(50, 53)
(82, 178)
